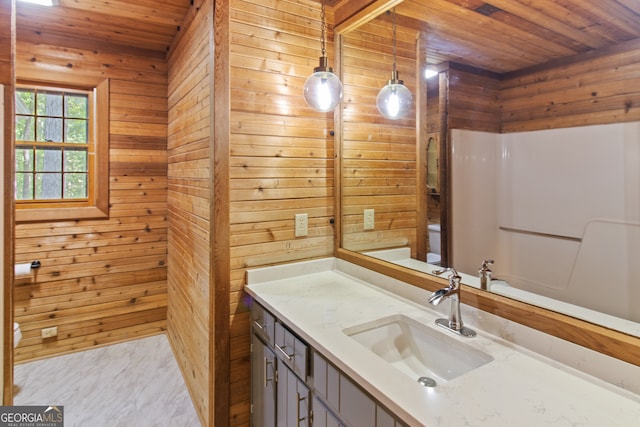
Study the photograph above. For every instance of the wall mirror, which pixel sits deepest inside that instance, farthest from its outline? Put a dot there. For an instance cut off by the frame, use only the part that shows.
(529, 118)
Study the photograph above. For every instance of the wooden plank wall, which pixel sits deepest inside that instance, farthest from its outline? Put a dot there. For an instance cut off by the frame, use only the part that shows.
(7, 46)
(473, 101)
(281, 156)
(101, 281)
(379, 155)
(603, 87)
(190, 191)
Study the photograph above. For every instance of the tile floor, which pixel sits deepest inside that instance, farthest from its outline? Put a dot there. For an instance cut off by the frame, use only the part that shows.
(134, 384)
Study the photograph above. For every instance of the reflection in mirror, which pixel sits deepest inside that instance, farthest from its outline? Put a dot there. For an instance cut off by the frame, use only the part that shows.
(432, 164)
(378, 154)
(516, 202)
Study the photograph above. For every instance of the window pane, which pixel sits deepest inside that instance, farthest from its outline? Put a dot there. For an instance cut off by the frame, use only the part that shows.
(75, 130)
(24, 186)
(76, 106)
(25, 101)
(24, 159)
(75, 160)
(75, 185)
(49, 130)
(49, 160)
(25, 128)
(48, 186)
(49, 103)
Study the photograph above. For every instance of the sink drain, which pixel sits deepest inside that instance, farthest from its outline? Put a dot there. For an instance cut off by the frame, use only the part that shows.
(427, 382)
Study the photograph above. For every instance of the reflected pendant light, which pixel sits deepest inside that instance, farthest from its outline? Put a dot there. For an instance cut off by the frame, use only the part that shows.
(394, 100)
(323, 89)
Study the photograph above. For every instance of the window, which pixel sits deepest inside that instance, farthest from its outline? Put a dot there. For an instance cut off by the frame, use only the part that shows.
(61, 147)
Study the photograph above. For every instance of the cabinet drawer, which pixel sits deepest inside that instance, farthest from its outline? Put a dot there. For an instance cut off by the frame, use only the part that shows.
(263, 323)
(293, 351)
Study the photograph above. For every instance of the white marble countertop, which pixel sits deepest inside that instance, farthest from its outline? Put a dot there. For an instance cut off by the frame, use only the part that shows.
(318, 300)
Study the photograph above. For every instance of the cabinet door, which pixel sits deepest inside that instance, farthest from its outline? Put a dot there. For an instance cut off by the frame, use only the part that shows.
(322, 417)
(356, 407)
(293, 399)
(263, 385)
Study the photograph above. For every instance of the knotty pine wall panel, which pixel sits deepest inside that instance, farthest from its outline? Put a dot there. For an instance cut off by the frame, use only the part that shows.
(473, 101)
(379, 155)
(6, 73)
(101, 281)
(189, 201)
(595, 88)
(281, 157)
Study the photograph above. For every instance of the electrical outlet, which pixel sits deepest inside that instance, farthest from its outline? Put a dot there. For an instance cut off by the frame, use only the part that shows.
(49, 332)
(369, 222)
(302, 225)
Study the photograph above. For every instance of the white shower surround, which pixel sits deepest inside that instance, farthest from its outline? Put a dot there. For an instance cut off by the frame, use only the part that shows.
(582, 183)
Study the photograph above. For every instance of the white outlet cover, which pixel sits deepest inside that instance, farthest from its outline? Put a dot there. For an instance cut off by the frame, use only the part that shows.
(301, 225)
(369, 219)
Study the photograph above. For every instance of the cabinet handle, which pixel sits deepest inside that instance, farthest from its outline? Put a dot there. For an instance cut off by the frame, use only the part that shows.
(288, 356)
(259, 325)
(300, 399)
(266, 377)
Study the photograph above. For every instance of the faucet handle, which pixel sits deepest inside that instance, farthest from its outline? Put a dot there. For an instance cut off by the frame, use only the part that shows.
(444, 270)
(486, 263)
(485, 274)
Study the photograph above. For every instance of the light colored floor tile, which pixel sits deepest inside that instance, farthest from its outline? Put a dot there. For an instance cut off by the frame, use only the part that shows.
(136, 383)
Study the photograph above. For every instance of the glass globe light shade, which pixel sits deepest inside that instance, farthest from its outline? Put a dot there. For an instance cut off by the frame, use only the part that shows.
(394, 100)
(323, 90)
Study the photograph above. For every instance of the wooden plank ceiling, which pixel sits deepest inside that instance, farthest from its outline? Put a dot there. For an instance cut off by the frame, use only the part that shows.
(143, 24)
(494, 35)
(508, 35)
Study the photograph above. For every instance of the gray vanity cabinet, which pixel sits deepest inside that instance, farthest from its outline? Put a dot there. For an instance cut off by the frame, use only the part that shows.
(279, 370)
(263, 323)
(293, 385)
(293, 400)
(263, 383)
(322, 416)
(337, 392)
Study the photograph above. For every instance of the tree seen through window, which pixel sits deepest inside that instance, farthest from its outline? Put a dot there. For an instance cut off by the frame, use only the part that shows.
(52, 144)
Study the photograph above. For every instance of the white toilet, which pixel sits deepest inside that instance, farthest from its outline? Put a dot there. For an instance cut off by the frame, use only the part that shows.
(434, 256)
(17, 334)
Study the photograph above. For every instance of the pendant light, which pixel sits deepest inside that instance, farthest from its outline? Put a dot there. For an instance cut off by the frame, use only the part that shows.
(323, 89)
(394, 100)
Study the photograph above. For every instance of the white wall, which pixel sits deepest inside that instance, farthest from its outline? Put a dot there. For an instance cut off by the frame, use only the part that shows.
(475, 164)
(581, 183)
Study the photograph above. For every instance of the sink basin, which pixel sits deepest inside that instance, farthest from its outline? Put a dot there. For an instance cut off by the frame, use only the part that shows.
(417, 350)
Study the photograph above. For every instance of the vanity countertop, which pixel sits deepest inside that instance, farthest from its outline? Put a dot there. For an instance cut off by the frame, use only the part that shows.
(319, 299)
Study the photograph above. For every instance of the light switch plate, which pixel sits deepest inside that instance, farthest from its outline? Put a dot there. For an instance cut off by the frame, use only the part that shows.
(302, 225)
(369, 221)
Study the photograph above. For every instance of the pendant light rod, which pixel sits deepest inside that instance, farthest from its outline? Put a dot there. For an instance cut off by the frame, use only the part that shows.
(394, 50)
(323, 29)
(394, 46)
(324, 61)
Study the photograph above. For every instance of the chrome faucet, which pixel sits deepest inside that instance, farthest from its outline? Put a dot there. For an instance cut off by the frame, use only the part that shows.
(485, 274)
(454, 322)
